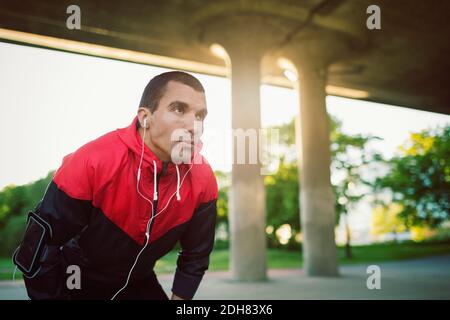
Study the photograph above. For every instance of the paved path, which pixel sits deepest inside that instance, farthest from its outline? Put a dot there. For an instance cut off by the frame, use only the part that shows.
(427, 278)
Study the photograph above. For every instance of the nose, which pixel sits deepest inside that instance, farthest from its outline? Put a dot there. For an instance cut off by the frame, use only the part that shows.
(194, 126)
(189, 123)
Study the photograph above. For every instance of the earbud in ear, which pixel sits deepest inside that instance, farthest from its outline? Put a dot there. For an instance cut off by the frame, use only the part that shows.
(145, 122)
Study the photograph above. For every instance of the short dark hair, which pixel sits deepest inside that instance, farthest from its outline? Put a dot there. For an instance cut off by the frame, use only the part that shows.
(155, 89)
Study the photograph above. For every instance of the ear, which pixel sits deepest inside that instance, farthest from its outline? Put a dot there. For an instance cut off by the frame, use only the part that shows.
(142, 115)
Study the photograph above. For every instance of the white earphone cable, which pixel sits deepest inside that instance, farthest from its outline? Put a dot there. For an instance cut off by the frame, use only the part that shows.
(155, 195)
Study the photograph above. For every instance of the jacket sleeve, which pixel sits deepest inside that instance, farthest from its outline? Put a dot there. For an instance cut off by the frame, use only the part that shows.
(196, 245)
(67, 201)
(66, 207)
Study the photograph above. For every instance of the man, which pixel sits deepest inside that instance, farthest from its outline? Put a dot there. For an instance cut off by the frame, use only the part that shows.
(121, 202)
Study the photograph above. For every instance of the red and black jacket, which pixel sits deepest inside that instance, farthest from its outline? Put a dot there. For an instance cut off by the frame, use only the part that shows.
(99, 220)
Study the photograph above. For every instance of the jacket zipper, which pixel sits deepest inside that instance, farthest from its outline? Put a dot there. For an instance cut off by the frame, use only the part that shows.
(155, 202)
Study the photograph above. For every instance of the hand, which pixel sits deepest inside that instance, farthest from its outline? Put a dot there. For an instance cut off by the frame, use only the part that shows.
(175, 297)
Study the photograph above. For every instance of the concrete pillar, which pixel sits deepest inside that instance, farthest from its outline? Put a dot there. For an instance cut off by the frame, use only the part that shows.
(316, 194)
(245, 40)
(311, 57)
(247, 194)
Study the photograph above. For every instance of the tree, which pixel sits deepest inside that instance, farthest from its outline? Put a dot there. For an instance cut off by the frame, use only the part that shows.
(385, 219)
(282, 200)
(15, 202)
(419, 178)
(352, 156)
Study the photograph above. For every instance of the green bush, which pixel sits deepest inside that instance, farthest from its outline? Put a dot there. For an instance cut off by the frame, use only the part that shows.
(12, 234)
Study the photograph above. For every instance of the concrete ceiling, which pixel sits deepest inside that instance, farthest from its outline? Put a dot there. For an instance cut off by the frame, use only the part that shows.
(405, 63)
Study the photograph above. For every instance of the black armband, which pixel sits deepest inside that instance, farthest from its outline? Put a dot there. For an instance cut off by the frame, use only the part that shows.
(27, 256)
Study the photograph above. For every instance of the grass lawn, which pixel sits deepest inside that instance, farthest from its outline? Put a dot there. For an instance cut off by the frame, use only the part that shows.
(278, 258)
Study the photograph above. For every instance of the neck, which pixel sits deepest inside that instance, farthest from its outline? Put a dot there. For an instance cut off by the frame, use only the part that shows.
(159, 153)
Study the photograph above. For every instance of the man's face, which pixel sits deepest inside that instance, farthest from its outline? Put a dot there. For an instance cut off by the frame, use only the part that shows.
(179, 108)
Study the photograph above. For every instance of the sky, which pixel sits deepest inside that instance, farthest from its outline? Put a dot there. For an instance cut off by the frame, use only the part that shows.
(51, 103)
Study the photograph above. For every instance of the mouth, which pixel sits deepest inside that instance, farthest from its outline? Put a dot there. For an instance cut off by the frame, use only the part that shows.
(189, 142)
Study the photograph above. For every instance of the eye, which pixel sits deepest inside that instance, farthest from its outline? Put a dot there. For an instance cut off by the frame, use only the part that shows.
(200, 116)
(178, 109)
